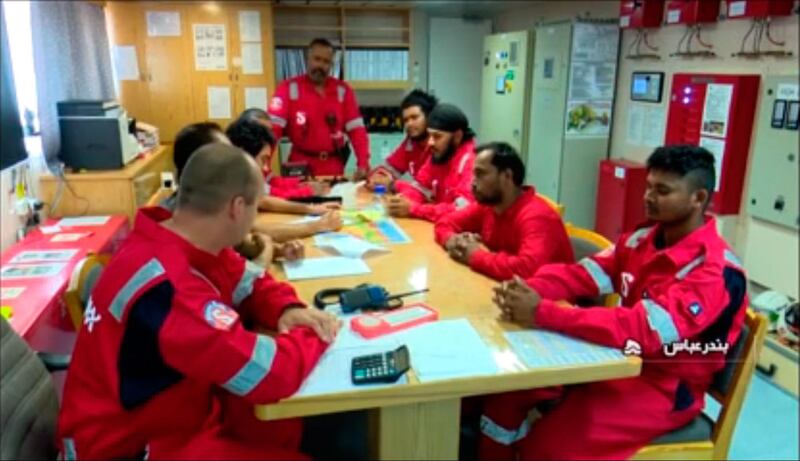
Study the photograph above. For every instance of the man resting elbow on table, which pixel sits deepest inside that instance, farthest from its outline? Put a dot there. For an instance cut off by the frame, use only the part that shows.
(510, 231)
(678, 280)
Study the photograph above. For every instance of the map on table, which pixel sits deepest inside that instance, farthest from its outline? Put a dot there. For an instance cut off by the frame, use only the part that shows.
(541, 349)
(372, 224)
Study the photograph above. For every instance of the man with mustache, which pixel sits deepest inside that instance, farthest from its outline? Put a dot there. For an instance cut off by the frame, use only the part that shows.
(510, 231)
(678, 279)
(319, 113)
(411, 154)
(444, 183)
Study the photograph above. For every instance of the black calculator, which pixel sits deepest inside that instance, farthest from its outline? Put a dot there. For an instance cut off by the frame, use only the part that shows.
(380, 368)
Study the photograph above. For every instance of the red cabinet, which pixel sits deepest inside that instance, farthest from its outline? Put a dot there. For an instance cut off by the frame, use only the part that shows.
(620, 197)
(637, 14)
(692, 11)
(759, 8)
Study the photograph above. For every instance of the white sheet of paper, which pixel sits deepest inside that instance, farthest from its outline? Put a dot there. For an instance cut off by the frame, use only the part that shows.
(210, 47)
(252, 63)
(255, 96)
(49, 229)
(347, 191)
(126, 65)
(69, 237)
(305, 219)
(163, 24)
(635, 124)
(539, 348)
(250, 26)
(715, 110)
(446, 349)
(83, 221)
(43, 256)
(9, 293)
(332, 373)
(717, 149)
(24, 271)
(333, 266)
(654, 127)
(219, 102)
(346, 244)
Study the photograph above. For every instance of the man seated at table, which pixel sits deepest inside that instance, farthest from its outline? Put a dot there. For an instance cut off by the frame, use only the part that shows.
(163, 347)
(444, 182)
(277, 236)
(510, 231)
(678, 280)
(413, 152)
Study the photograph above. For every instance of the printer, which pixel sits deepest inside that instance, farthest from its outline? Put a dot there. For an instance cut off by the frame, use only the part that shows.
(95, 135)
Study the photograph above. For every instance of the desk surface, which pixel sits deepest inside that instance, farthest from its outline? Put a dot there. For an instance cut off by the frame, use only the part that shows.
(456, 292)
(129, 171)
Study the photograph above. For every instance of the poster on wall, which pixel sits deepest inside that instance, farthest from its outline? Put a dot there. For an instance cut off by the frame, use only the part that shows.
(717, 149)
(250, 26)
(252, 63)
(715, 110)
(219, 102)
(163, 23)
(255, 97)
(210, 47)
(588, 118)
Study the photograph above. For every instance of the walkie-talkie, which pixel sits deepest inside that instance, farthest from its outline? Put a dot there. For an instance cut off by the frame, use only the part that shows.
(365, 297)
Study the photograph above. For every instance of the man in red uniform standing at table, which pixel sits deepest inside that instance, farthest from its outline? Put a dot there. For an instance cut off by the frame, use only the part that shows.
(679, 281)
(510, 231)
(319, 113)
(444, 183)
(413, 152)
(163, 344)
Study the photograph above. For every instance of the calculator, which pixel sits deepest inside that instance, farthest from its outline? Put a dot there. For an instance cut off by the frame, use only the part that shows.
(380, 368)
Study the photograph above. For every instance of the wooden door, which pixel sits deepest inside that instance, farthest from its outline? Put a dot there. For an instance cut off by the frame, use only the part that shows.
(252, 88)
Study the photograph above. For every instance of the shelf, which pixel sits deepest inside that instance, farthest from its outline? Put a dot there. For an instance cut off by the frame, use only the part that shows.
(379, 84)
(310, 28)
(351, 45)
(375, 29)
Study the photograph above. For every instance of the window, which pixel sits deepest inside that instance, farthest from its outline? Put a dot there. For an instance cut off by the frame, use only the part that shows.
(20, 42)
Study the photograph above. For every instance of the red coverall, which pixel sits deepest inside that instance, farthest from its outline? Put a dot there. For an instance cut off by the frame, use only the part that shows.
(524, 237)
(439, 189)
(695, 290)
(409, 157)
(163, 347)
(285, 187)
(316, 124)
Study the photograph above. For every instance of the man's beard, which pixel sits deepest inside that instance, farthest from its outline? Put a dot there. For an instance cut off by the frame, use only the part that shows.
(488, 200)
(422, 135)
(317, 75)
(448, 154)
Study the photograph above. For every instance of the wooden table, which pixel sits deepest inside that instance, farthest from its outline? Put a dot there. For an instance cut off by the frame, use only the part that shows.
(421, 420)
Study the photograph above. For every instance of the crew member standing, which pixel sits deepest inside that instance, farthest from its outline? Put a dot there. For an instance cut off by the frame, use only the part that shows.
(319, 114)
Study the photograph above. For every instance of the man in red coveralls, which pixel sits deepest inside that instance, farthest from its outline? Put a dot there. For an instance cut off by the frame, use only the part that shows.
(413, 152)
(316, 111)
(444, 183)
(510, 231)
(678, 280)
(163, 341)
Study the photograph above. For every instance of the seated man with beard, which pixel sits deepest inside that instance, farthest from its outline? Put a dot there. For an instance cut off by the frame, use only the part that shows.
(510, 231)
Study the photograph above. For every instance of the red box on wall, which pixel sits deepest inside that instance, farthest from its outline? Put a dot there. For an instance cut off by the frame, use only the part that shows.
(636, 14)
(716, 112)
(759, 8)
(692, 11)
(620, 197)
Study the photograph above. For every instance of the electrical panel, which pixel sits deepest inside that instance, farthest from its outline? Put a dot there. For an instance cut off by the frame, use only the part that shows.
(692, 11)
(773, 188)
(716, 112)
(620, 197)
(637, 14)
(759, 8)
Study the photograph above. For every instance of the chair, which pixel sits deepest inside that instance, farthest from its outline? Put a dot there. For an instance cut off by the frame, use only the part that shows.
(28, 400)
(704, 438)
(557, 207)
(586, 243)
(84, 278)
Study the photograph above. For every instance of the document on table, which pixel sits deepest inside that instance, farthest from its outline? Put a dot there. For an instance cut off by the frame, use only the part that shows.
(83, 221)
(346, 244)
(332, 266)
(332, 373)
(43, 256)
(541, 349)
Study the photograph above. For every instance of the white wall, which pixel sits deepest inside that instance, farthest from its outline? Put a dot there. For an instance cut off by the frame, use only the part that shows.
(770, 252)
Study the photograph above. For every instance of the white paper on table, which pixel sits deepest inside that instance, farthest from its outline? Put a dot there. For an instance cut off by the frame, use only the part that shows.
(83, 221)
(30, 256)
(9, 293)
(332, 266)
(333, 371)
(539, 348)
(255, 96)
(305, 219)
(163, 24)
(250, 25)
(346, 244)
(22, 271)
(251, 59)
(126, 66)
(219, 102)
(49, 229)
(348, 192)
(69, 237)
(447, 349)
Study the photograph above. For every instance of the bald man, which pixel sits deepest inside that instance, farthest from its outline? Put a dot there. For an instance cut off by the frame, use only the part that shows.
(162, 348)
